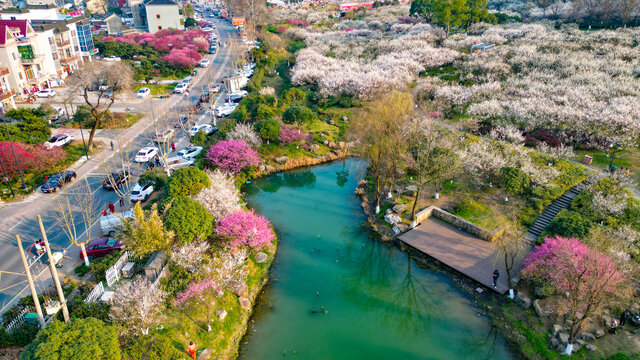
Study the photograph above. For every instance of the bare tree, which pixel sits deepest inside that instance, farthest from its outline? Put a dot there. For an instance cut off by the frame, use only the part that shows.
(544, 4)
(76, 210)
(114, 78)
(510, 246)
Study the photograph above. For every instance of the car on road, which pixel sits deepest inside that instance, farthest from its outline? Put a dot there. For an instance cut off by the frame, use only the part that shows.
(215, 89)
(226, 109)
(212, 50)
(204, 63)
(115, 180)
(108, 93)
(112, 223)
(190, 152)
(59, 140)
(46, 93)
(112, 58)
(180, 122)
(57, 181)
(163, 136)
(143, 93)
(207, 29)
(187, 80)
(101, 247)
(207, 128)
(146, 154)
(141, 192)
(180, 88)
(176, 163)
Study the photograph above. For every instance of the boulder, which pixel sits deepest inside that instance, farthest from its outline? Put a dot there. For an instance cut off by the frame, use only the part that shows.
(314, 147)
(538, 292)
(563, 337)
(553, 342)
(333, 146)
(221, 314)
(245, 304)
(555, 329)
(591, 348)
(580, 342)
(560, 348)
(282, 159)
(392, 218)
(261, 257)
(598, 333)
(399, 208)
(411, 190)
(523, 300)
(240, 288)
(606, 321)
(342, 144)
(539, 309)
(587, 336)
(389, 211)
(576, 347)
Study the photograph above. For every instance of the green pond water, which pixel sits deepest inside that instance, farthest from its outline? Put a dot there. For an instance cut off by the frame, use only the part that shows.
(379, 304)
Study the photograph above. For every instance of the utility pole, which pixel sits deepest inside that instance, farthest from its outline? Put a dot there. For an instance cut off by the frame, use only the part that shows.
(6, 177)
(54, 272)
(14, 152)
(34, 294)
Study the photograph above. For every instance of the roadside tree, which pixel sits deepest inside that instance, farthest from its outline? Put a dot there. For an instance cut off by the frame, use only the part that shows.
(145, 233)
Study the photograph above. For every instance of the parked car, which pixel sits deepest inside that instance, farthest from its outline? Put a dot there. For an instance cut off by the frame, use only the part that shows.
(59, 140)
(115, 180)
(143, 93)
(204, 62)
(112, 223)
(57, 181)
(108, 93)
(180, 122)
(56, 115)
(212, 50)
(176, 163)
(163, 136)
(237, 95)
(215, 89)
(146, 153)
(141, 192)
(101, 247)
(180, 88)
(190, 152)
(46, 93)
(207, 128)
(224, 110)
(112, 58)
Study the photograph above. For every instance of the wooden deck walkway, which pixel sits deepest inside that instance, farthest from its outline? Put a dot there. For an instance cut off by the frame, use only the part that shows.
(459, 250)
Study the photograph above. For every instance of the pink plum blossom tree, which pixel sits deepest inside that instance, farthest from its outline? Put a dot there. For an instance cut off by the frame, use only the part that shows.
(232, 155)
(246, 228)
(290, 135)
(197, 296)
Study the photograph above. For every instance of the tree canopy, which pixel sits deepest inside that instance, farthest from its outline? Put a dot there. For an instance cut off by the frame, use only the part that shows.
(188, 181)
(188, 219)
(452, 14)
(145, 233)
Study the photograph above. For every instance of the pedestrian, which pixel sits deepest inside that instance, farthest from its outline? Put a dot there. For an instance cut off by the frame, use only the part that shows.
(157, 161)
(121, 202)
(39, 247)
(496, 275)
(192, 350)
(111, 143)
(614, 326)
(173, 146)
(623, 318)
(104, 213)
(112, 207)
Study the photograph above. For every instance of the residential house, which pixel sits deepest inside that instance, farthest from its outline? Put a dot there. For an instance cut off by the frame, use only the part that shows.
(7, 94)
(56, 3)
(163, 14)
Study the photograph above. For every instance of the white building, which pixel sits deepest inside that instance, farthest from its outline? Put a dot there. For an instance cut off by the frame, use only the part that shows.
(162, 15)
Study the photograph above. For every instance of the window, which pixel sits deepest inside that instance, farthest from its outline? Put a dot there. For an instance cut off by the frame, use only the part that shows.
(159, 27)
(157, 16)
(14, 56)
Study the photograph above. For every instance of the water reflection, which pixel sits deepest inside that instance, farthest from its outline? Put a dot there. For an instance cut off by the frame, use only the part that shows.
(299, 179)
(481, 347)
(342, 175)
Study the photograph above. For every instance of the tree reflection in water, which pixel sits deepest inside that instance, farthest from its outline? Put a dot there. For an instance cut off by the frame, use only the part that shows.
(342, 175)
(481, 347)
(299, 179)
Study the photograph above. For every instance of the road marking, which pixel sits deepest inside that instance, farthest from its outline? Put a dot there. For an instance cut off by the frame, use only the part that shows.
(14, 226)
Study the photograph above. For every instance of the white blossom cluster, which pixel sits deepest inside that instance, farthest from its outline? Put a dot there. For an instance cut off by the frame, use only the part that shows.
(190, 255)
(222, 197)
(138, 305)
(245, 133)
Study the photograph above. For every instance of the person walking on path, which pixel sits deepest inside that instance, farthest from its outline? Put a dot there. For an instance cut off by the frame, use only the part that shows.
(121, 202)
(111, 143)
(112, 207)
(173, 147)
(496, 275)
(192, 350)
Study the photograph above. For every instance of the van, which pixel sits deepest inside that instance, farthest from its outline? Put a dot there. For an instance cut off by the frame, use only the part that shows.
(112, 223)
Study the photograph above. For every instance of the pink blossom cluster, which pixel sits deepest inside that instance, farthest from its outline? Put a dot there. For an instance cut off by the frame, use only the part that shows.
(203, 23)
(290, 135)
(282, 28)
(31, 158)
(166, 40)
(196, 288)
(296, 22)
(232, 155)
(246, 228)
(182, 58)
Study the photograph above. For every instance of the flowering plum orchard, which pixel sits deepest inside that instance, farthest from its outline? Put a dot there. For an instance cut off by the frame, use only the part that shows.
(246, 228)
(232, 155)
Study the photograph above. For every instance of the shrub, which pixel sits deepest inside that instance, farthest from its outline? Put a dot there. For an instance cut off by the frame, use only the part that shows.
(269, 130)
(569, 224)
(290, 135)
(294, 97)
(188, 219)
(31, 158)
(265, 112)
(188, 181)
(232, 155)
(20, 337)
(298, 114)
(156, 177)
(151, 347)
(515, 181)
(177, 281)
(31, 126)
(246, 228)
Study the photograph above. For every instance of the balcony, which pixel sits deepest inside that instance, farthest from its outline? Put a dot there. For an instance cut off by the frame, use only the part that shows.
(6, 93)
(4, 71)
(62, 44)
(68, 60)
(37, 58)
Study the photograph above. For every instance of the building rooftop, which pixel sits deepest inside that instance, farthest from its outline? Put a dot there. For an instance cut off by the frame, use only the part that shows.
(16, 24)
(160, 2)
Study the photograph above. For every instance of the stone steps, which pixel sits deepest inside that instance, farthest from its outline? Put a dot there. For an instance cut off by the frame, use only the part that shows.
(563, 202)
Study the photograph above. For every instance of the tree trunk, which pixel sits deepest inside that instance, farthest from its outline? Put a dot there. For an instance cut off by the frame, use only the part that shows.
(413, 208)
(389, 195)
(84, 254)
(508, 268)
(378, 194)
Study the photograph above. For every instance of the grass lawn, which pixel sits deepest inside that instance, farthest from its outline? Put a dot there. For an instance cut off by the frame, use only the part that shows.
(629, 159)
(158, 89)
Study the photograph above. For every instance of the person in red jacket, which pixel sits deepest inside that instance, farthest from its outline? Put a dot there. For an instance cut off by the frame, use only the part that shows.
(192, 350)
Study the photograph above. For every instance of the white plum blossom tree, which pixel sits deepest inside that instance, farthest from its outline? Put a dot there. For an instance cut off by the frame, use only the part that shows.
(138, 305)
(222, 197)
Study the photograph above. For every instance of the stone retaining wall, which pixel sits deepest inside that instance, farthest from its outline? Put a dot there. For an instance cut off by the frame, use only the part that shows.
(458, 222)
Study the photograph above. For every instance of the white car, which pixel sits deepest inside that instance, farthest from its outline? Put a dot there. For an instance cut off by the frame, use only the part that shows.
(58, 141)
(146, 154)
(207, 128)
(141, 193)
(112, 58)
(237, 95)
(207, 29)
(46, 93)
(190, 152)
(204, 63)
(176, 163)
(180, 88)
(143, 93)
(225, 110)
(187, 80)
(163, 136)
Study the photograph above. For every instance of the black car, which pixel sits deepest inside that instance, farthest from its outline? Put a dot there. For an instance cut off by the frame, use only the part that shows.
(57, 181)
(115, 180)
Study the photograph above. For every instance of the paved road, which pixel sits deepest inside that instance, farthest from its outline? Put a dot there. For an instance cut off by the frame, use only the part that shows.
(20, 217)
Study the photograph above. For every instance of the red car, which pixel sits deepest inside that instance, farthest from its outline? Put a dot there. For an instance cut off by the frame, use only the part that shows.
(101, 247)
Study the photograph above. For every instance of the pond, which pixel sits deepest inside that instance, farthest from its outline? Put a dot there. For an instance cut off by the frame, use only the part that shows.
(338, 293)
